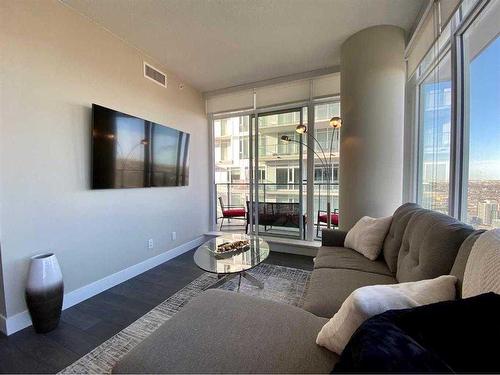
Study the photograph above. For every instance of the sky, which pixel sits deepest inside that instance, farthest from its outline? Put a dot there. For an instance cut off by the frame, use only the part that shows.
(484, 152)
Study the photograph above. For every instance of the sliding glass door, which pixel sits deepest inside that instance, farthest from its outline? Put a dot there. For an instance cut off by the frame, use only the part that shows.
(279, 174)
(264, 164)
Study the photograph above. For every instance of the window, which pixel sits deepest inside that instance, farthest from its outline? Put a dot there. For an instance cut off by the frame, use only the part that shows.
(225, 127)
(231, 160)
(281, 178)
(481, 96)
(434, 128)
(324, 112)
(288, 178)
(457, 118)
(321, 174)
(295, 178)
(261, 175)
(235, 175)
(225, 151)
(327, 138)
(291, 148)
(324, 137)
(244, 145)
(244, 124)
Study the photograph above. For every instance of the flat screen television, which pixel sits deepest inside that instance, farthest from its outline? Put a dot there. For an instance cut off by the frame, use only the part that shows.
(130, 152)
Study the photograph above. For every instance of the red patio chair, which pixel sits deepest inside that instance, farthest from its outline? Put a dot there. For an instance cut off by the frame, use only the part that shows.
(323, 218)
(231, 212)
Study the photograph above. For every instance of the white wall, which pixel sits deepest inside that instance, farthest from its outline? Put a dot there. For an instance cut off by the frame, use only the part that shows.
(2, 296)
(55, 64)
(372, 105)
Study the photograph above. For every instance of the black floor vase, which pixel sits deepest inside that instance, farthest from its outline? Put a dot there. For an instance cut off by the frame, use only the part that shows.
(44, 292)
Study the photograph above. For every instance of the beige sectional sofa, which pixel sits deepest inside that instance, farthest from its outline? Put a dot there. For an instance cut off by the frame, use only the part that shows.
(227, 332)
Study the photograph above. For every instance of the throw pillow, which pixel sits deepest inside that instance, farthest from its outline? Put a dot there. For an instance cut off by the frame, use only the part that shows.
(372, 300)
(367, 236)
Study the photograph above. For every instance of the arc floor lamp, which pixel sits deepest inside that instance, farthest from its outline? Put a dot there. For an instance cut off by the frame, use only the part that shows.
(326, 162)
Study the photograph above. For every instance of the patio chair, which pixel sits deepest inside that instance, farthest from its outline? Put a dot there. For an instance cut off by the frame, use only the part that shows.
(231, 212)
(323, 219)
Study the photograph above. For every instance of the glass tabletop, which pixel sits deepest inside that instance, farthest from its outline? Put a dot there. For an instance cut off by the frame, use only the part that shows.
(233, 262)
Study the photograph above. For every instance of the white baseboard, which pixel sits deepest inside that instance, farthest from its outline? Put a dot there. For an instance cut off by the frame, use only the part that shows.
(22, 320)
(3, 324)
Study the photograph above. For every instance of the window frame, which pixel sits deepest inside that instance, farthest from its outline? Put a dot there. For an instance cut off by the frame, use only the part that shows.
(419, 131)
(463, 17)
(463, 124)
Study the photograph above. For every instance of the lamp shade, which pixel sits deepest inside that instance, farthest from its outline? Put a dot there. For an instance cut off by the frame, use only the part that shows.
(301, 129)
(285, 138)
(336, 122)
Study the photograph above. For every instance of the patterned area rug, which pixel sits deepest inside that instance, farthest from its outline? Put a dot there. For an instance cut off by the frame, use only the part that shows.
(281, 284)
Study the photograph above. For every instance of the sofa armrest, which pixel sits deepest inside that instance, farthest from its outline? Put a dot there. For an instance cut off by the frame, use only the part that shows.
(333, 237)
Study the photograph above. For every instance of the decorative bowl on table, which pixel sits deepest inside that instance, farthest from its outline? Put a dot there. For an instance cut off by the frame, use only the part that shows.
(230, 247)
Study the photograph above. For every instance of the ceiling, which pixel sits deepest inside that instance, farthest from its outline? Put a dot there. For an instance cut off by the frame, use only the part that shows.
(213, 44)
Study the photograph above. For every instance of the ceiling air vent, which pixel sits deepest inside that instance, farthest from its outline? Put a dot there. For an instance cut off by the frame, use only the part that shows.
(155, 75)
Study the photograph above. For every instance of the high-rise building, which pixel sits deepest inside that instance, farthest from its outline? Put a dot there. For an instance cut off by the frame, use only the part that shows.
(487, 211)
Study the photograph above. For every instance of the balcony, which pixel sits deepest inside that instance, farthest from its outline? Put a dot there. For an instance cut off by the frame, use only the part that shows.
(237, 194)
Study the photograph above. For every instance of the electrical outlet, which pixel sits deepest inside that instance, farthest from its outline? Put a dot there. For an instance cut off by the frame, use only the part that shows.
(151, 243)
(174, 236)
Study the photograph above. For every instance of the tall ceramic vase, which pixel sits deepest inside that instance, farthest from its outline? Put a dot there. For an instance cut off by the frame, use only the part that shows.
(44, 292)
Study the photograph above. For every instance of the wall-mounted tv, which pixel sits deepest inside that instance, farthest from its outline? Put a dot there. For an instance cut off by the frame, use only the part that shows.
(130, 152)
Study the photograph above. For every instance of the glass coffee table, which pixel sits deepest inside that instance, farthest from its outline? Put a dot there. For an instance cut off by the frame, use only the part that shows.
(231, 265)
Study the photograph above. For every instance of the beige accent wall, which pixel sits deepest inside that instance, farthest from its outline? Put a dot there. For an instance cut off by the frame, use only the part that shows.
(372, 104)
(55, 64)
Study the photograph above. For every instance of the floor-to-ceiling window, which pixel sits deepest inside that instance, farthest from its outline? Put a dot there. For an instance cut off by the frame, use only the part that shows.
(326, 174)
(455, 116)
(284, 163)
(231, 154)
(481, 74)
(279, 168)
(435, 126)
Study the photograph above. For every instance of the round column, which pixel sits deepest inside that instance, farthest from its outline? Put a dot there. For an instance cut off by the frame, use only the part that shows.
(372, 105)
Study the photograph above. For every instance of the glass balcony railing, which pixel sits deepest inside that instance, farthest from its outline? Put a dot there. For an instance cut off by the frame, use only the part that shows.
(237, 194)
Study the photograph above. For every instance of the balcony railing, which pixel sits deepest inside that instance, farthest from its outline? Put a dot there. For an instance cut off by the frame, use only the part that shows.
(238, 193)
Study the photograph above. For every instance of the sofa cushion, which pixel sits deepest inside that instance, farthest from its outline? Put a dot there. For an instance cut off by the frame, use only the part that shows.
(234, 212)
(333, 237)
(367, 235)
(226, 332)
(458, 268)
(392, 242)
(329, 288)
(430, 245)
(482, 271)
(342, 257)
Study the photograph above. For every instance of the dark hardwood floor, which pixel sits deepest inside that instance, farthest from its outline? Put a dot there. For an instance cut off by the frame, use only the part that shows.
(88, 324)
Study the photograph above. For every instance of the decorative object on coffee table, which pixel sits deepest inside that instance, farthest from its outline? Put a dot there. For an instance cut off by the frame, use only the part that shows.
(230, 247)
(44, 292)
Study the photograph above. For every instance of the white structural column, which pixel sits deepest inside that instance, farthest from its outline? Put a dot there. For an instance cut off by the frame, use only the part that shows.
(372, 104)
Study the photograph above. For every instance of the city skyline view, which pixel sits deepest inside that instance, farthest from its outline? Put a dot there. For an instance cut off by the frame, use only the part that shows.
(481, 207)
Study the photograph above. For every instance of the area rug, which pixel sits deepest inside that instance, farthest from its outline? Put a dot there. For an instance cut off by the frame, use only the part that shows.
(281, 284)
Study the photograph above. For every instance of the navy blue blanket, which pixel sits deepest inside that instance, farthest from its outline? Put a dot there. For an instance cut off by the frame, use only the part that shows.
(452, 336)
